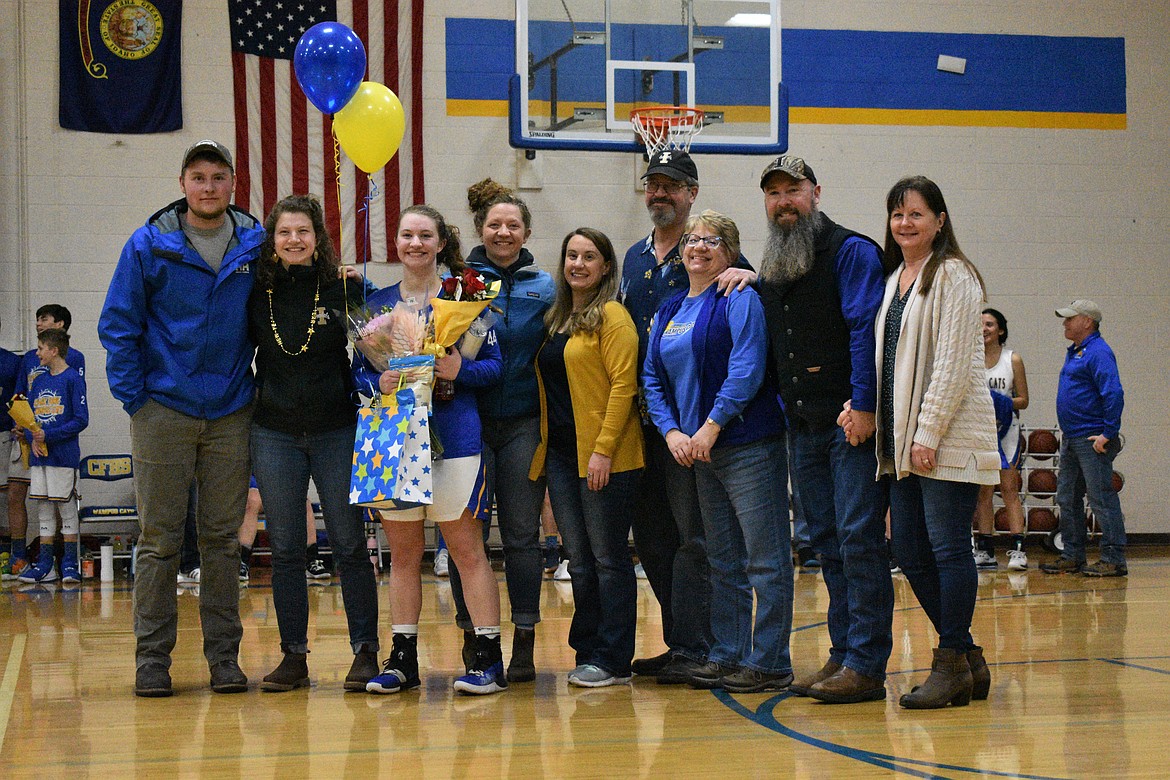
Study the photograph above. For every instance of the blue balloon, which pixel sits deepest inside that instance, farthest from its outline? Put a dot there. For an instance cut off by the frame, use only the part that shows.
(330, 62)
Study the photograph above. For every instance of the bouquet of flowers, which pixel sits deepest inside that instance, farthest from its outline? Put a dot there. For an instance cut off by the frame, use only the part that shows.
(462, 308)
(396, 339)
(22, 414)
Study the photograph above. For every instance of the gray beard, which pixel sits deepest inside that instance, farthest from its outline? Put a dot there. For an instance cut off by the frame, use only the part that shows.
(663, 215)
(789, 254)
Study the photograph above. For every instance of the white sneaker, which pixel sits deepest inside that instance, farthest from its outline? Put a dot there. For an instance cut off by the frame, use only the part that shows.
(562, 572)
(442, 563)
(189, 578)
(985, 560)
(1017, 560)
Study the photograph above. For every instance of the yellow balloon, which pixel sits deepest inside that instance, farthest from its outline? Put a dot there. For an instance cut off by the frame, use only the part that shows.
(370, 126)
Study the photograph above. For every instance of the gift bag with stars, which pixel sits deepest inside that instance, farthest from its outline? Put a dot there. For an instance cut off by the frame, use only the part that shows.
(392, 455)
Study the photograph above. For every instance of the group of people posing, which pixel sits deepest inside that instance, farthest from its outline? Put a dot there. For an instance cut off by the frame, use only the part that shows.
(667, 394)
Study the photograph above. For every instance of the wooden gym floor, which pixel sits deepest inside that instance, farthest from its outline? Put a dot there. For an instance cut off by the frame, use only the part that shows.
(1081, 676)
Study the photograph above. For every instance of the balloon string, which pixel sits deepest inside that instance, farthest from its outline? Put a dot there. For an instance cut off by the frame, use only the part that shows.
(340, 221)
(371, 193)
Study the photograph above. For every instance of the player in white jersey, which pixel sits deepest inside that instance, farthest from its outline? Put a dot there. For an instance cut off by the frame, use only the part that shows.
(1005, 375)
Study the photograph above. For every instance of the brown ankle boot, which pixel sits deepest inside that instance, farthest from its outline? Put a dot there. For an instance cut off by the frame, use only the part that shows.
(980, 674)
(293, 672)
(801, 685)
(949, 683)
(521, 668)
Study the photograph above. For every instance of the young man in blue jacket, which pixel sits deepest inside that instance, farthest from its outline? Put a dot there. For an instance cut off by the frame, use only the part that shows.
(179, 359)
(1089, 402)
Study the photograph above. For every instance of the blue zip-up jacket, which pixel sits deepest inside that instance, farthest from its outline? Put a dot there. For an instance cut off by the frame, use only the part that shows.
(174, 330)
(1089, 398)
(525, 295)
(456, 421)
(743, 420)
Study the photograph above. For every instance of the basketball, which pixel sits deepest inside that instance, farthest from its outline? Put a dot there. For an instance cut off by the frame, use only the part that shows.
(1001, 519)
(1041, 518)
(1042, 443)
(1118, 481)
(1042, 481)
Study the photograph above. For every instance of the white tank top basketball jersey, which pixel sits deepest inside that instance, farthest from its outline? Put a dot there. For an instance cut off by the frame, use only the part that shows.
(1002, 379)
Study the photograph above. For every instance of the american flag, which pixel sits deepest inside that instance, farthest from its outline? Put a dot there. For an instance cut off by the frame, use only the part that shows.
(284, 145)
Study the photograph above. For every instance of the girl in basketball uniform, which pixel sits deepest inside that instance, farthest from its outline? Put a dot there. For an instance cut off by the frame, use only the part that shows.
(1005, 375)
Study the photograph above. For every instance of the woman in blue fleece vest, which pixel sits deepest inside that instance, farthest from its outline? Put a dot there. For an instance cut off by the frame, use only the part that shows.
(709, 394)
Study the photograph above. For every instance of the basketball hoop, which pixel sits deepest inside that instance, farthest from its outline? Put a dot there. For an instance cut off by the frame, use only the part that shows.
(666, 127)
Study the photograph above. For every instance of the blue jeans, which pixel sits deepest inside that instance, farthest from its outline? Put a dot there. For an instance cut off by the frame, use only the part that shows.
(1084, 470)
(595, 528)
(749, 543)
(508, 446)
(282, 464)
(930, 528)
(800, 533)
(845, 510)
(656, 536)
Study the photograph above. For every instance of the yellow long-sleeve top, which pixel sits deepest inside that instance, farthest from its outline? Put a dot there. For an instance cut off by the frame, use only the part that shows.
(602, 369)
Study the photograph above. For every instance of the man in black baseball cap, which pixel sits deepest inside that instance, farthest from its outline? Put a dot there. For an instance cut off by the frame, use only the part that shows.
(669, 542)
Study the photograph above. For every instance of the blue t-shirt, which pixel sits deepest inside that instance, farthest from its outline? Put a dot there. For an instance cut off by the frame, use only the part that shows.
(678, 355)
(744, 371)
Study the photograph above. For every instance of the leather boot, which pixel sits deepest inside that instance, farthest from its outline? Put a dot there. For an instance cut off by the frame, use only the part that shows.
(364, 668)
(949, 683)
(293, 672)
(801, 685)
(980, 674)
(848, 686)
(521, 668)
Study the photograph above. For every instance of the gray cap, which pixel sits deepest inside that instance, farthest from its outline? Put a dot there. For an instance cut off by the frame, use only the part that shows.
(207, 147)
(793, 166)
(1081, 306)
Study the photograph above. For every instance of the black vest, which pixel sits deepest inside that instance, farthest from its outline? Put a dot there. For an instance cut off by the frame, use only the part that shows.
(809, 336)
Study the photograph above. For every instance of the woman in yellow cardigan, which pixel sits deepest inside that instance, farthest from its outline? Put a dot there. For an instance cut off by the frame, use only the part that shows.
(591, 450)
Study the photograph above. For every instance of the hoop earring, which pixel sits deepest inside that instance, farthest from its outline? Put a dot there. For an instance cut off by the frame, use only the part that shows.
(314, 255)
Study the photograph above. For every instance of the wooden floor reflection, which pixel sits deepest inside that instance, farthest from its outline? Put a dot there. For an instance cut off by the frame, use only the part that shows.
(1080, 669)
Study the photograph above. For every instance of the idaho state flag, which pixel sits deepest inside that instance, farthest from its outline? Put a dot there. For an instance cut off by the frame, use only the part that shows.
(120, 65)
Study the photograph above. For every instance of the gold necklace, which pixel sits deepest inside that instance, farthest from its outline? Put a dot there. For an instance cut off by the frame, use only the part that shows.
(312, 322)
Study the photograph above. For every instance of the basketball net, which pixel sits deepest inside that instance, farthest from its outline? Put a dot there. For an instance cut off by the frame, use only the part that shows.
(666, 127)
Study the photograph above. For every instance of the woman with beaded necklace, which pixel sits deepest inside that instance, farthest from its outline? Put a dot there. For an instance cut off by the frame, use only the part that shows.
(303, 425)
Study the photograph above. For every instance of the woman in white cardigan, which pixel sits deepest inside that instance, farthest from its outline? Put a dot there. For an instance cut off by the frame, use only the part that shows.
(936, 429)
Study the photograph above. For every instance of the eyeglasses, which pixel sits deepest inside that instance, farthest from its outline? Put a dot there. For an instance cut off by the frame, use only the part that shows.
(669, 187)
(713, 242)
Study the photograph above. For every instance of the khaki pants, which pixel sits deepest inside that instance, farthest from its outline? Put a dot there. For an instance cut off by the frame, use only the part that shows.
(171, 449)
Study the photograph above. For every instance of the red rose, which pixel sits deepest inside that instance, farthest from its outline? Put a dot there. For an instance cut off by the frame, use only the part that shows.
(449, 285)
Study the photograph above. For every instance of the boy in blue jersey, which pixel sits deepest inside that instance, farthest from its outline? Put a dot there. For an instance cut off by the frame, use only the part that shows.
(51, 316)
(57, 397)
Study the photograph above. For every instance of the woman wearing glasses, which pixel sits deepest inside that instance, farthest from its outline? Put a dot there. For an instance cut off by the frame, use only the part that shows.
(709, 396)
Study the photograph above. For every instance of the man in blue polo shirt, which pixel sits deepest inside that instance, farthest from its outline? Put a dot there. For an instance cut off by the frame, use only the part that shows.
(1089, 402)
